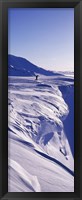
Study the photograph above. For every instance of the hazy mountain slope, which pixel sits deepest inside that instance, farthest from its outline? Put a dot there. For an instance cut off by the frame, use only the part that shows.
(18, 66)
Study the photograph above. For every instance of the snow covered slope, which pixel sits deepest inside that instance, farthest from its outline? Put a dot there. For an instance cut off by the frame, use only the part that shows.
(18, 66)
(40, 151)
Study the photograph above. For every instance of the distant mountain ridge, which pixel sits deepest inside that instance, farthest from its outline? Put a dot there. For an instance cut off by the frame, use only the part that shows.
(18, 66)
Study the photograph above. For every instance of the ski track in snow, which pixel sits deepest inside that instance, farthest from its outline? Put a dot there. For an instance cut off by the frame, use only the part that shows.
(40, 157)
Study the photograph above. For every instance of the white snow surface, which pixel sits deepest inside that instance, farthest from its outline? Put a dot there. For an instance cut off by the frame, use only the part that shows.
(40, 157)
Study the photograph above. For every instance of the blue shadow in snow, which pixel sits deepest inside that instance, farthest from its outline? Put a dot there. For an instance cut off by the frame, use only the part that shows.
(68, 95)
(56, 161)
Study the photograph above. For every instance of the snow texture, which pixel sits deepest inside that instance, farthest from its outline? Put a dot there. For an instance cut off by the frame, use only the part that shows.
(41, 133)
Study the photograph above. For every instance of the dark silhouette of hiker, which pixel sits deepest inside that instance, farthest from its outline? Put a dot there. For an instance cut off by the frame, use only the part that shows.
(37, 77)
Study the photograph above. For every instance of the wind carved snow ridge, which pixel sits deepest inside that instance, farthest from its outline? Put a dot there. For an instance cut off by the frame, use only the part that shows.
(36, 114)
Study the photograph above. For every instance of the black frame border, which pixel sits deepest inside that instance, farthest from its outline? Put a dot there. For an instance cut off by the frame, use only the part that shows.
(4, 5)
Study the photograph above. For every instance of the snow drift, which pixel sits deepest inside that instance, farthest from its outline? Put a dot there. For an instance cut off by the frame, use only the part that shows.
(40, 138)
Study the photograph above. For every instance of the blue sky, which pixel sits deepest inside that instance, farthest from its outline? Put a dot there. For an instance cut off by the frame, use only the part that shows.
(43, 36)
